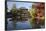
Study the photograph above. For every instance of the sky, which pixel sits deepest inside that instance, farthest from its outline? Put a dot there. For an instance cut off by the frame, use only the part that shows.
(18, 5)
(23, 4)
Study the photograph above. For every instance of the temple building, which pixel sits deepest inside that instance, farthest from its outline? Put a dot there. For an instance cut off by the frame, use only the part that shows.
(22, 14)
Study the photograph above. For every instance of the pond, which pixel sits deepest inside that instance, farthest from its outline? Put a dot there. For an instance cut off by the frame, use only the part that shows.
(23, 25)
(19, 25)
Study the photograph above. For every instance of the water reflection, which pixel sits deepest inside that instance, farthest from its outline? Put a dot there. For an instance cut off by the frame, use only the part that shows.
(10, 24)
(19, 25)
(23, 25)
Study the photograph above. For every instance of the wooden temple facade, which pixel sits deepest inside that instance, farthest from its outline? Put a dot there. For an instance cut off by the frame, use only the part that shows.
(21, 15)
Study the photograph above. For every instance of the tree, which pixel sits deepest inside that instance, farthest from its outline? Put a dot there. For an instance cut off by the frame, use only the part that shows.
(34, 18)
(32, 12)
(14, 11)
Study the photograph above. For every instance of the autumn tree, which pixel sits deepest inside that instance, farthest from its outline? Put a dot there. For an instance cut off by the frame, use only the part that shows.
(32, 13)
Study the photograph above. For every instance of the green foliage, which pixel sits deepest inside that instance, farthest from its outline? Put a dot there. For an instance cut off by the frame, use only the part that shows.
(32, 14)
(14, 11)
